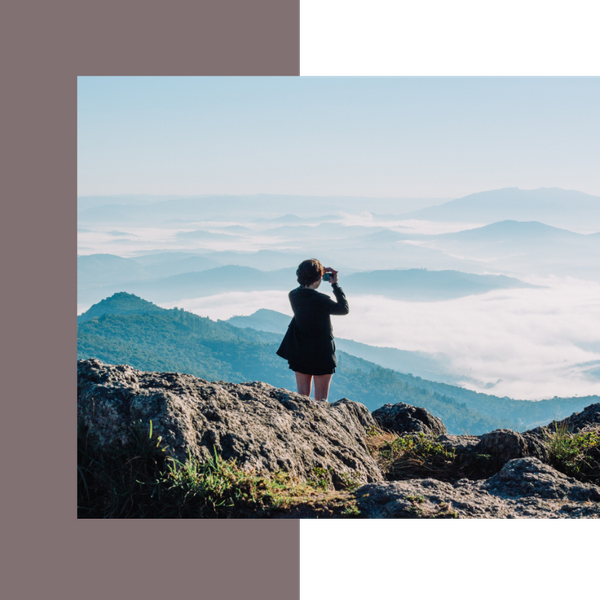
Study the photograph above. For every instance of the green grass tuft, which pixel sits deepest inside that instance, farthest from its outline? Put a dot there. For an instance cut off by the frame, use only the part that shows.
(141, 481)
(575, 454)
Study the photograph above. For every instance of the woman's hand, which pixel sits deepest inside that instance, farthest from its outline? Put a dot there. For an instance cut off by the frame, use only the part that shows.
(334, 274)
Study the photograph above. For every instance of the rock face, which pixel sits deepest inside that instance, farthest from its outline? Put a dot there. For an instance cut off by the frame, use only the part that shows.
(262, 427)
(404, 418)
(524, 488)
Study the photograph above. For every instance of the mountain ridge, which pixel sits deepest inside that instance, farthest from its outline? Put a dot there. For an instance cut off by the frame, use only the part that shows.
(552, 206)
(403, 284)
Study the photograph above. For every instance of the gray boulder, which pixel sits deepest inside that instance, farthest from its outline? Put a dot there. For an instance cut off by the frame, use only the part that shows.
(404, 418)
(262, 427)
(524, 488)
(504, 445)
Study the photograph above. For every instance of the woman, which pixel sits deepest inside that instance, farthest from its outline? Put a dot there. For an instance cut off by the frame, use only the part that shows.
(308, 343)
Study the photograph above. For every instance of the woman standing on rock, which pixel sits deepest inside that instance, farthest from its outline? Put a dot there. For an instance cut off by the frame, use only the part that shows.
(308, 344)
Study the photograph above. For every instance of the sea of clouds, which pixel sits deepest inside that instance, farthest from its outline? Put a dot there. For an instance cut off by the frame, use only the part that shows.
(522, 343)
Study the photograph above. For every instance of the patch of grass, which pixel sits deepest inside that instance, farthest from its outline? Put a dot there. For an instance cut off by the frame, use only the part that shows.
(414, 456)
(351, 511)
(346, 481)
(373, 431)
(212, 488)
(141, 481)
(416, 498)
(418, 456)
(321, 478)
(575, 454)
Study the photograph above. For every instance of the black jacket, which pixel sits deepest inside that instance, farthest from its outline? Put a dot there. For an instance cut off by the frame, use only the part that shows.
(308, 342)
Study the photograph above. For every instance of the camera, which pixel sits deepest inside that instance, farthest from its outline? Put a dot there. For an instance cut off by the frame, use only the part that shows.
(327, 277)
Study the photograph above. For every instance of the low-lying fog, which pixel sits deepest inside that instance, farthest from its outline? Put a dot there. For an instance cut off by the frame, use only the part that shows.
(521, 343)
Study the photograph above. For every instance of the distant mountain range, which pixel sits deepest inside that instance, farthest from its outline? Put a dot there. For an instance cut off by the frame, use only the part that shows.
(516, 248)
(125, 329)
(526, 247)
(513, 232)
(515, 236)
(156, 210)
(411, 285)
(552, 206)
(424, 285)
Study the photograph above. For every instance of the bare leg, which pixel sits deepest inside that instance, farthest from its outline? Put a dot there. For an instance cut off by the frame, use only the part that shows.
(304, 383)
(322, 386)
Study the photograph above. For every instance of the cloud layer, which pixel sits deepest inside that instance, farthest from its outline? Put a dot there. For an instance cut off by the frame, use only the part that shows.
(523, 343)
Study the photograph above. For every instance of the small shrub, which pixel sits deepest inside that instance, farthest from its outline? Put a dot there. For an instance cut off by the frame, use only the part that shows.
(415, 455)
(575, 454)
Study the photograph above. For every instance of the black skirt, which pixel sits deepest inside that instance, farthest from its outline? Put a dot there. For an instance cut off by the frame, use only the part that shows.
(310, 370)
(311, 356)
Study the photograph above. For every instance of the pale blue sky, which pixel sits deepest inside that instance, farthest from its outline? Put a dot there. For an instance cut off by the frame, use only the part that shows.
(360, 136)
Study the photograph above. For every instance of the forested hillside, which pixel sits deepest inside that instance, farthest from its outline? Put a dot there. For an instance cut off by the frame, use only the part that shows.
(155, 339)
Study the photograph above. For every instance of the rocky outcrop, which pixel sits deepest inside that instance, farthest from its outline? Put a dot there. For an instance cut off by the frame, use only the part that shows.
(590, 415)
(524, 488)
(404, 418)
(264, 428)
(519, 485)
(501, 474)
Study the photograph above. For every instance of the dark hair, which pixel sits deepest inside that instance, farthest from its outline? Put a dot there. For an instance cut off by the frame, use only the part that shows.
(309, 271)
